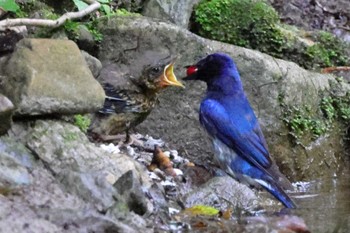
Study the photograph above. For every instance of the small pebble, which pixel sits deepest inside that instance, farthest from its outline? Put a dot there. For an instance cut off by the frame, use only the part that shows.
(173, 210)
(130, 151)
(151, 142)
(111, 148)
(167, 153)
(167, 183)
(177, 159)
(111, 178)
(174, 153)
(302, 186)
(178, 172)
(178, 226)
(159, 173)
(153, 176)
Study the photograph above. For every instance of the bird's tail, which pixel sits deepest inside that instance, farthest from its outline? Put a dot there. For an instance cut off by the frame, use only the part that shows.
(277, 192)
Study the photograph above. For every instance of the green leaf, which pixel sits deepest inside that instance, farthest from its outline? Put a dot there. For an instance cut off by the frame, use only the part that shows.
(81, 5)
(104, 1)
(107, 9)
(82, 122)
(201, 210)
(9, 5)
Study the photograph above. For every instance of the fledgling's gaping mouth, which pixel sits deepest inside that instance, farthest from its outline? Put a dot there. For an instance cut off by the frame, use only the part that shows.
(168, 77)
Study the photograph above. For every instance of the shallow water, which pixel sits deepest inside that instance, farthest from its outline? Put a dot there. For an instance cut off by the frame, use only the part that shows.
(325, 204)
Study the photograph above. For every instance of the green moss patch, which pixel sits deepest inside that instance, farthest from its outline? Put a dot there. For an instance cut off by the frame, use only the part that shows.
(306, 123)
(255, 24)
(246, 23)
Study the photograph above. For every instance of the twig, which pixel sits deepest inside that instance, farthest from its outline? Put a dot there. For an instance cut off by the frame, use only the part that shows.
(93, 5)
(337, 68)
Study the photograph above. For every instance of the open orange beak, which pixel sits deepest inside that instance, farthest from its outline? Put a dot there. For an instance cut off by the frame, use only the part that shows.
(168, 77)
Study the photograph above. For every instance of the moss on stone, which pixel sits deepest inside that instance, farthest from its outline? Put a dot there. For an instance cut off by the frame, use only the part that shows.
(247, 23)
(255, 24)
(83, 122)
(306, 124)
(327, 51)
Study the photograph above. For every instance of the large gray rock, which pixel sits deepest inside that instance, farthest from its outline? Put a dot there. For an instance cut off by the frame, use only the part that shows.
(15, 160)
(50, 76)
(129, 186)
(57, 186)
(265, 80)
(62, 146)
(6, 111)
(223, 193)
(325, 15)
(178, 12)
(94, 64)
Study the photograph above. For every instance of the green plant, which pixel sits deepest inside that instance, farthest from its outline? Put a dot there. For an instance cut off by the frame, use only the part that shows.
(9, 5)
(327, 107)
(82, 122)
(301, 122)
(336, 107)
(327, 51)
(248, 23)
(72, 29)
(125, 12)
(105, 6)
(92, 27)
(255, 24)
(304, 122)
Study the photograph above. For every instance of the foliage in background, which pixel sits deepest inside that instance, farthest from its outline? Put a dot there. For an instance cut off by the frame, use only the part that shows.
(70, 28)
(304, 122)
(105, 6)
(247, 23)
(335, 107)
(9, 5)
(73, 29)
(92, 27)
(255, 24)
(328, 51)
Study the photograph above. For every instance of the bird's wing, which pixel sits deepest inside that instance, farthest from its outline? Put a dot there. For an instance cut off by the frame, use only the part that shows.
(249, 144)
(117, 101)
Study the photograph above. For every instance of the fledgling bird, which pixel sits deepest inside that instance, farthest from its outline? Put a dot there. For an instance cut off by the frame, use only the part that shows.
(239, 145)
(131, 94)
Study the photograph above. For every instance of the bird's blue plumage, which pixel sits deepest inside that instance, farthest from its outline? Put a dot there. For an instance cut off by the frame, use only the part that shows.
(225, 113)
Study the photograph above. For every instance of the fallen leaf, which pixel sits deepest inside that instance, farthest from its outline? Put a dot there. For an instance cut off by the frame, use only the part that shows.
(199, 224)
(161, 161)
(201, 210)
(227, 214)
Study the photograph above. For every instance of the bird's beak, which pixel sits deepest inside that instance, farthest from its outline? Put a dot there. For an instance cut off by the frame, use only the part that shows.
(191, 73)
(168, 77)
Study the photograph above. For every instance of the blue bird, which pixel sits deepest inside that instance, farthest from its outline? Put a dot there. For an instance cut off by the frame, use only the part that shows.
(239, 145)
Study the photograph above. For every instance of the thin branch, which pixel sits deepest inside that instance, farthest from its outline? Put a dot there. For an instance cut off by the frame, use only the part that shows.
(93, 5)
(337, 68)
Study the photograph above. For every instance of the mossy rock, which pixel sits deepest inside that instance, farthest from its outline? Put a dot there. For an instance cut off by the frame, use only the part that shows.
(229, 21)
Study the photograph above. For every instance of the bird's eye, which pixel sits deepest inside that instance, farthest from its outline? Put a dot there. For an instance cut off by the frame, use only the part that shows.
(155, 69)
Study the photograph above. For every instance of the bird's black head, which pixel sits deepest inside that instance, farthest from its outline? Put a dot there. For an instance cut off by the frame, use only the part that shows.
(211, 67)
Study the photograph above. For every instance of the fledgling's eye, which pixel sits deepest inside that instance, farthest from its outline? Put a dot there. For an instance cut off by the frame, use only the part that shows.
(155, 69)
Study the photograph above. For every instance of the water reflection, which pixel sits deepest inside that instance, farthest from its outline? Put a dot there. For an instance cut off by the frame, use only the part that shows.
(325, 204)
